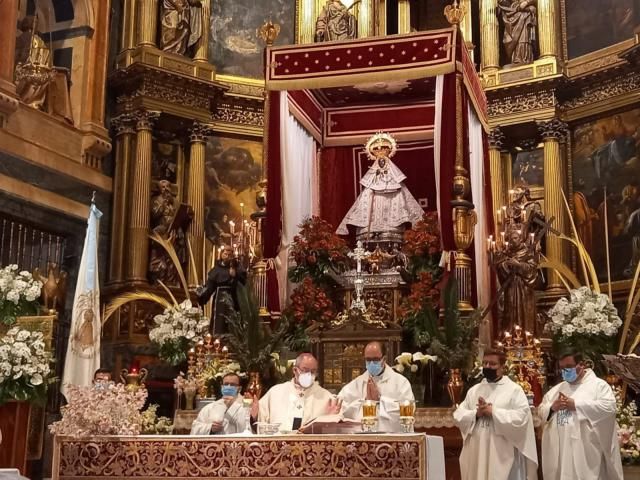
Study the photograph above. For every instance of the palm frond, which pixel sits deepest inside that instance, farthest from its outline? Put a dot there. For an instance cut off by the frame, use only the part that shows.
(168, 247)
(632, 305)
(125, 298)
(166, 289)
(562, 269)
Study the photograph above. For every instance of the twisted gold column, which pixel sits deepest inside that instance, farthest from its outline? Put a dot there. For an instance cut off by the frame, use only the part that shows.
(202, 47)
(147, 22)
(496, 144)
(140, 203)
(128, 39)
(554, 132)
(124, 131)
(489, 36)
(548, 28)
(464, 217)
(195, 198)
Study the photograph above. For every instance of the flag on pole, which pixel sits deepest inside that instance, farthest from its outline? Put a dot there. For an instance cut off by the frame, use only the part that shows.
(83, 350)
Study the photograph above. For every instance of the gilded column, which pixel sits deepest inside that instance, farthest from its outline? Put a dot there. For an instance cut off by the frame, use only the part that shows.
(496, 145)
(138, 244)
(202, 47)
(466, 24)
(8, 22)
(124, 126)
(464, 216)
(404, 16)
(195, 198)
(489, 36)
(128, 39)
(367, 18)
(548, 27)
(147, 22)
(553, 133)
(306, 21)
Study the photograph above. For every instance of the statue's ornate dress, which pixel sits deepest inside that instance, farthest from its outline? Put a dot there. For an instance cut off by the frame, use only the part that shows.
(385, 202)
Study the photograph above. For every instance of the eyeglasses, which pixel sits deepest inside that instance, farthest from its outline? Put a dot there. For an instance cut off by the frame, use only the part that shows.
(307, 370)
(227, 384)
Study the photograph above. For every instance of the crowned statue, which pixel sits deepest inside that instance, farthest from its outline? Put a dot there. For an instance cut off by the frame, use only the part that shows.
(385, 205)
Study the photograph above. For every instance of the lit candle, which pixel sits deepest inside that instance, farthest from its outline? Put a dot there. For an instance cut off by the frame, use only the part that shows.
(532, 238)
(235, 249)
(502, 237)
(232, 226)
(499, 216)
(524, 214)
(225, 350)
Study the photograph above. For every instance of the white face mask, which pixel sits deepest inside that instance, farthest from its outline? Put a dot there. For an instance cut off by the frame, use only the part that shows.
(305, 380)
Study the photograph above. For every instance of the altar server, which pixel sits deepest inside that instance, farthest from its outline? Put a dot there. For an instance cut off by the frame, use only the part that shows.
(223, 416)
(379, 383)
(297, 402)
(579, 439)
(497, 427)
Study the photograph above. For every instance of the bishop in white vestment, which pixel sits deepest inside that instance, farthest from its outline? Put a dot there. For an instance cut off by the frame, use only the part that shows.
(297, 402)
(380, 383)
(224, 416)
(580, 439)
(497, 428)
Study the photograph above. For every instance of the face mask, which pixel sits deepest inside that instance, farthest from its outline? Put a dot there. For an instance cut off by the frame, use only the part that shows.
(374, 367)
(229, 390)
(305, 380)
(491, 374)
(569, 374)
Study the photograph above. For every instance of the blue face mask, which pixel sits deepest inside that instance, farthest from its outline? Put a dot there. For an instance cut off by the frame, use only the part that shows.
(569, 374)
(229, 391)
(374, 367)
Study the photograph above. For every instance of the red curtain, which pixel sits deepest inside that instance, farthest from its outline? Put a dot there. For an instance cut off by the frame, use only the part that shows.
(447, 160)
(336, 181)
(273, 225)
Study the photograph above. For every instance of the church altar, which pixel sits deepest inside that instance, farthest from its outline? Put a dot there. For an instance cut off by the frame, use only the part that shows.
(377, 456)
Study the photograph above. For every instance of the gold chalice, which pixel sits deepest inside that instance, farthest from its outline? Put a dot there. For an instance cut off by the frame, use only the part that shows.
(369, 415)
(407, 415)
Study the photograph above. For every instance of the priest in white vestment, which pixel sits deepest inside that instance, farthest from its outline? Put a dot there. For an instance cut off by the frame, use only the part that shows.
(224, 416)
(379, 383)
(385, 203)
(497, 427)
(295, 403)
(580, 438)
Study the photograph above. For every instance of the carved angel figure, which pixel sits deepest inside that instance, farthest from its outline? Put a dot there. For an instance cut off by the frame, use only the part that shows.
(54, 286)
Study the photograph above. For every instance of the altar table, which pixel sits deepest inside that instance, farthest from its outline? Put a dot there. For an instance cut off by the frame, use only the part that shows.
(373, 456)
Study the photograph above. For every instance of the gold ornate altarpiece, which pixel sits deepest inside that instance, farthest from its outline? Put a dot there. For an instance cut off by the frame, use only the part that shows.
(374, 457)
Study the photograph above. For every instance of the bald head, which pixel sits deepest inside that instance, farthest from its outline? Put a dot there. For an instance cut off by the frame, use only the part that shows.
(307, 362)
(374, 351)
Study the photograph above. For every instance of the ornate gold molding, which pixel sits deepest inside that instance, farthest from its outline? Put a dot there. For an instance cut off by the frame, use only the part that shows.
(597, 61)
(604, 90)
(8, 105)
(553, 129)
(525, 102)
(497, 139)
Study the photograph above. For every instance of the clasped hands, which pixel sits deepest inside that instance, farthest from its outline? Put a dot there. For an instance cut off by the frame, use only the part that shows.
(563, 403)
(484, 409)
(373, 393)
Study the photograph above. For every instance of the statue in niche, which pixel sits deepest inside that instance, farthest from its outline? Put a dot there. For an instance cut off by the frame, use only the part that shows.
(385, 204)
(336, 22)
(169, 219)
(181, 25)
(33, 64)
(520, 20)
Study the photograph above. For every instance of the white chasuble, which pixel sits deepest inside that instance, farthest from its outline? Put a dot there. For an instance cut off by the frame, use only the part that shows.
(581, 444)
(286, 401)
(500, 447)
(233, 418)
(392, 386)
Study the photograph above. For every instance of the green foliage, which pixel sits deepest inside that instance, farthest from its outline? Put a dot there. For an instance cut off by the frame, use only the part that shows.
(174, 351)
(249, 338)
(9, 311)
(454, 343)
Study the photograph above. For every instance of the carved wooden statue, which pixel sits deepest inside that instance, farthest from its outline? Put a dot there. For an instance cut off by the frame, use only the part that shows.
(54, 286)
(520, 20)
(335, 22)
(181, 25)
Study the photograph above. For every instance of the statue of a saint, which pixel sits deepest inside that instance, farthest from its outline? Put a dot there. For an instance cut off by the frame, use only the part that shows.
(385, 203)
(222, 281)
(33, 64)
(181, 25)
(520, 21)
(335, 22)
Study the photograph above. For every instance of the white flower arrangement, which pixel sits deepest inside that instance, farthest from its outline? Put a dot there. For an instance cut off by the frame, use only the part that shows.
(408, 362)
(19, 293)
(24, 365)
(585, 313)
(176, 328)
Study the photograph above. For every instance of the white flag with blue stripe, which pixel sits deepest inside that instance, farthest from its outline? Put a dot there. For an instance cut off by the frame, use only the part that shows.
(83, 351)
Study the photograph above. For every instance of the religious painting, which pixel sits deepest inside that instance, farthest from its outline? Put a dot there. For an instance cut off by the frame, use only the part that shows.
(528, 169)
(606, 164)
(233, 168)
(596, 24)
(234, 46)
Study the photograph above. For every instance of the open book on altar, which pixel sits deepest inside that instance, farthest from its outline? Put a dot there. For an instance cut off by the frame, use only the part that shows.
(335, 423)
